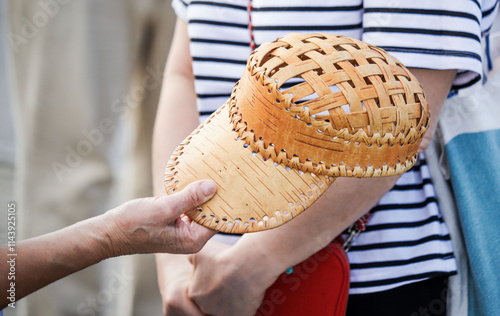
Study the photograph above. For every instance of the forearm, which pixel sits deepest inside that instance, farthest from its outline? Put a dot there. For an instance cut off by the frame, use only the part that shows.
(177, 117)
(177, 114)
(342, 204)
(45, 259)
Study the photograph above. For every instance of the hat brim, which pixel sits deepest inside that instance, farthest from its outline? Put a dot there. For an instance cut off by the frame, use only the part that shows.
(254, 193)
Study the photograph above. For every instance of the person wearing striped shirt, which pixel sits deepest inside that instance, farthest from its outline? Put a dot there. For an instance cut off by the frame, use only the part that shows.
(406, 247)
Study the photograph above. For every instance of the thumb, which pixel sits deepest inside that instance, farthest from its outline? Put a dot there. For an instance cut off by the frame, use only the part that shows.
(192, 196)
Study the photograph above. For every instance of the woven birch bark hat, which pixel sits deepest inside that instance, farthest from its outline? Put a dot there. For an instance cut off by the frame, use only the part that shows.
(309, 108)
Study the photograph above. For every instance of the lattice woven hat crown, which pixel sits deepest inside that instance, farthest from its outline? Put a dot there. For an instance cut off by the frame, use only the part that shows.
(308, 108)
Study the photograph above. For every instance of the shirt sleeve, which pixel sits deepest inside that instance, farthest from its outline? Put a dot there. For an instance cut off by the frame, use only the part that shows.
(180, 8)
(433, 34)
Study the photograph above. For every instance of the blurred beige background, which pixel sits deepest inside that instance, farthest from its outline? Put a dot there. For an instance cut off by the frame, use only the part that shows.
(79, 86)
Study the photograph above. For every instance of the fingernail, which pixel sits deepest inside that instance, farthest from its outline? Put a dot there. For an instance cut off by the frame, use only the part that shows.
(208, 187)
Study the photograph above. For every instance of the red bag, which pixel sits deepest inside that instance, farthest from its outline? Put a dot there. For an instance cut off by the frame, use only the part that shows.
(318, 286)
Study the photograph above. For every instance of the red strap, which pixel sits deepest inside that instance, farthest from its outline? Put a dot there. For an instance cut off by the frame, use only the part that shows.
(250, 25)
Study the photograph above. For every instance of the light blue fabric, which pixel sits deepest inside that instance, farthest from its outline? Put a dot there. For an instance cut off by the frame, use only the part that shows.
(457, 284)
(475, 172)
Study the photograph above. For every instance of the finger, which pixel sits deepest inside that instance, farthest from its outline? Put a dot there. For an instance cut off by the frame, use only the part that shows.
(188, 309)
(201, 233)
(197, 301)
(193, 308)
(177, 303)
(192, 240)
(191, 258)
(191, 196)
(186, 219)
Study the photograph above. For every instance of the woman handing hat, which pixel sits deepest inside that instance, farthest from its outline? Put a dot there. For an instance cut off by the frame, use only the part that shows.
(147, 225)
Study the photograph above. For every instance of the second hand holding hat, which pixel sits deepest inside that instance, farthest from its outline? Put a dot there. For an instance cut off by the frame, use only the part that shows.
(309, 108)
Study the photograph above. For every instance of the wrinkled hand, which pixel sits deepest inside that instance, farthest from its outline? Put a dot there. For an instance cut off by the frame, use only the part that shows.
(155, 225)
(223, 285)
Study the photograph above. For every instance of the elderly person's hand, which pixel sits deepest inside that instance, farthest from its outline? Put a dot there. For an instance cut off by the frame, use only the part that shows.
(155, 225)
(145, 225)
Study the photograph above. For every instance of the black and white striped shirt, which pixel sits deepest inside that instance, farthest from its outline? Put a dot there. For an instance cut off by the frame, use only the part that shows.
(406, 239)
